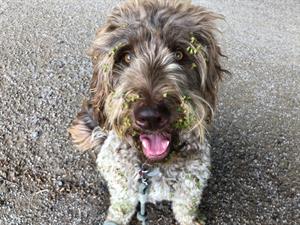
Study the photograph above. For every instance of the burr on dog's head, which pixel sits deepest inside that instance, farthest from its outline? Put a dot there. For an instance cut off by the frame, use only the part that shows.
(156, 73)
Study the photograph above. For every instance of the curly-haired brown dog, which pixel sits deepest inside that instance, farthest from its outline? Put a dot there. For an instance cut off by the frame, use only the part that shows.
(153, 91)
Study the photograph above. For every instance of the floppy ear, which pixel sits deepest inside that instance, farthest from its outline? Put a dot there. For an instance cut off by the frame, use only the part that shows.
(101, 83)
(214, 72)
(207, 54)
(85, 127)
(85, 130)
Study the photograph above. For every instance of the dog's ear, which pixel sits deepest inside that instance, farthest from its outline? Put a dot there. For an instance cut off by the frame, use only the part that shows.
(101, 83)
(208, 53)
(213, 73)
(85, 130)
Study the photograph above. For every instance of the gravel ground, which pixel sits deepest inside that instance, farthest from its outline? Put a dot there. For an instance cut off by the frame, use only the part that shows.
(44, 74)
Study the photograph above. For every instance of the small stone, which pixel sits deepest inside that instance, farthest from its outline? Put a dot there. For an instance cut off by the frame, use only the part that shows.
(3, 174)
(60, 183)
(35, 135)
(3, 189)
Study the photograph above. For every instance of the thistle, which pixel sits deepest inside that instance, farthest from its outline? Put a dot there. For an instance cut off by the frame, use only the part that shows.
(126, 123)
(195, 47)
(130, 98)
(116, 49)
(194, 66)
(106, 67)
(187, 118)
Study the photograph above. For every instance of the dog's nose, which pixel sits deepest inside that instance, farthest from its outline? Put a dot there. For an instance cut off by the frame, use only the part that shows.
(152, 117)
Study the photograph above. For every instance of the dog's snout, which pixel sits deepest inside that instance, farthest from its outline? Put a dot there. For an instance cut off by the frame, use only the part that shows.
(152, 117)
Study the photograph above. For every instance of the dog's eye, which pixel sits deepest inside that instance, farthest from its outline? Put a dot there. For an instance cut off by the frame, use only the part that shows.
(127, 58)
(178, 55)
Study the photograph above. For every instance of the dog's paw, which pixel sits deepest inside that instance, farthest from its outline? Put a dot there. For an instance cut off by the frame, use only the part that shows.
(200, 219)
(199, 222)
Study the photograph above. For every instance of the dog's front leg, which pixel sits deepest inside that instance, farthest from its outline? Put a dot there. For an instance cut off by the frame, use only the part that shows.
(122, 207)
(185, 208)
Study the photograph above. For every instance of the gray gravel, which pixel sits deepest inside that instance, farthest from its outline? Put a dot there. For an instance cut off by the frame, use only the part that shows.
(44, 74)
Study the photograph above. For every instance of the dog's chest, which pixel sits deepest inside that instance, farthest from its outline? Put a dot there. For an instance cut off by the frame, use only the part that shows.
(161, 188)
(120, 167)
(122, 171)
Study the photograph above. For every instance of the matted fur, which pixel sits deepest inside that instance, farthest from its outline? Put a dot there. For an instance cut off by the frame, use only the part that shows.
(152, 31)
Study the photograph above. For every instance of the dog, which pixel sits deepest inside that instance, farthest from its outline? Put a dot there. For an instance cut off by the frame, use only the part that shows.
(156, 72)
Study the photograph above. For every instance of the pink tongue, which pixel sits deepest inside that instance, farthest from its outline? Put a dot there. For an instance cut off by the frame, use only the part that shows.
(154, 144)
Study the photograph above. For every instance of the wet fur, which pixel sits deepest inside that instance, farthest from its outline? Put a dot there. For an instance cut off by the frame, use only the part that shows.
(153, 31)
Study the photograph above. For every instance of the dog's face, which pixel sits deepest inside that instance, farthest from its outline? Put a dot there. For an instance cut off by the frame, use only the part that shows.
(156, 72)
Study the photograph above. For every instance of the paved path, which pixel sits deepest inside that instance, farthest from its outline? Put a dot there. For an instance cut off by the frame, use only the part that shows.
(44, 74)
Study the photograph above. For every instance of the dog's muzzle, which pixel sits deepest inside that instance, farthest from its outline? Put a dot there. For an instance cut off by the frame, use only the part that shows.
(152, 119)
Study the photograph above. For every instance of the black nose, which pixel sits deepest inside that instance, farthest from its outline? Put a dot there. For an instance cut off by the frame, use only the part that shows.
(152, 117)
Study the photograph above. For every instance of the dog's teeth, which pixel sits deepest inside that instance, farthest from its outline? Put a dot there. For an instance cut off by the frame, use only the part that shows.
(145, 144)
(165, 144)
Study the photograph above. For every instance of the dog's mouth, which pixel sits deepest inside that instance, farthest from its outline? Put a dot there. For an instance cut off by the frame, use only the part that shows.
(155, 146)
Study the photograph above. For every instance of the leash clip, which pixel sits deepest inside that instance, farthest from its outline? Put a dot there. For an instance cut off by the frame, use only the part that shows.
(145, 175)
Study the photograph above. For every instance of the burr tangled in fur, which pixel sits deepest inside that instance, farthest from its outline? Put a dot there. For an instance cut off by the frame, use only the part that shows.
(153, 91)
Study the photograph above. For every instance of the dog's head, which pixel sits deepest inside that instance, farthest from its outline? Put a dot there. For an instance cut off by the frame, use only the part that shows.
(156, 73)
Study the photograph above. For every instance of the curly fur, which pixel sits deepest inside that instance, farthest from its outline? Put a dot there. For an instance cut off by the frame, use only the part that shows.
(152, 31)
(181, 180)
